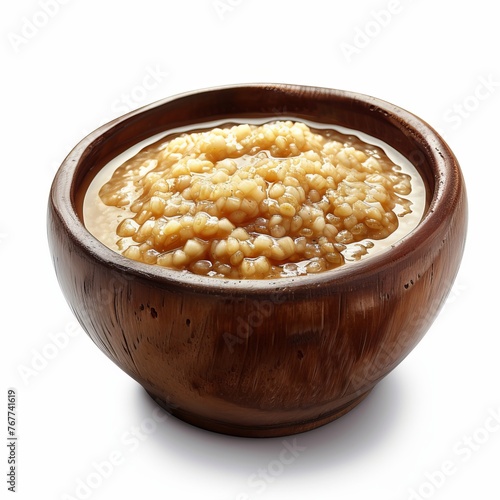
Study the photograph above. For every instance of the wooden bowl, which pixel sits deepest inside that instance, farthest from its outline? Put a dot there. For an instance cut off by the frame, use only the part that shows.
(261, 357)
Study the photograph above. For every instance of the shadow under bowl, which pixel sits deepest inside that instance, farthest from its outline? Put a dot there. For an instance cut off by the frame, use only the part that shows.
(261, 358)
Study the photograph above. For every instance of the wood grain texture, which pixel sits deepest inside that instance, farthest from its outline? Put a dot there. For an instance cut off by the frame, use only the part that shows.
(261, 358)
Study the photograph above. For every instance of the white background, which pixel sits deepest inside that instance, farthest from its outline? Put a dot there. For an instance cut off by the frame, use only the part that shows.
(66, 73)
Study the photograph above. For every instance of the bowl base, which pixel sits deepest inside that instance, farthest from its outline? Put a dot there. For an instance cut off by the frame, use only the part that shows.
(262, 431)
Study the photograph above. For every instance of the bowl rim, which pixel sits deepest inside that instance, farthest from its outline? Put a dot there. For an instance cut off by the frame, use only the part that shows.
(447, 182)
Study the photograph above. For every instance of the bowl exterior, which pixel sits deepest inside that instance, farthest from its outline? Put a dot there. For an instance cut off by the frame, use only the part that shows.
(259, 362)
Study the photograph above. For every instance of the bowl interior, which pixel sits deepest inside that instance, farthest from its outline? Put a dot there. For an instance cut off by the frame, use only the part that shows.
(405, 132)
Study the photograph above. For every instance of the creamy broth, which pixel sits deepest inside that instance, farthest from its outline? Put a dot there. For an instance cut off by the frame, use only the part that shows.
(259, 199)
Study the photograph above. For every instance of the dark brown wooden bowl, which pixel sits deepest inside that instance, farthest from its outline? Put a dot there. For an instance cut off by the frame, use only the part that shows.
(261, 357)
